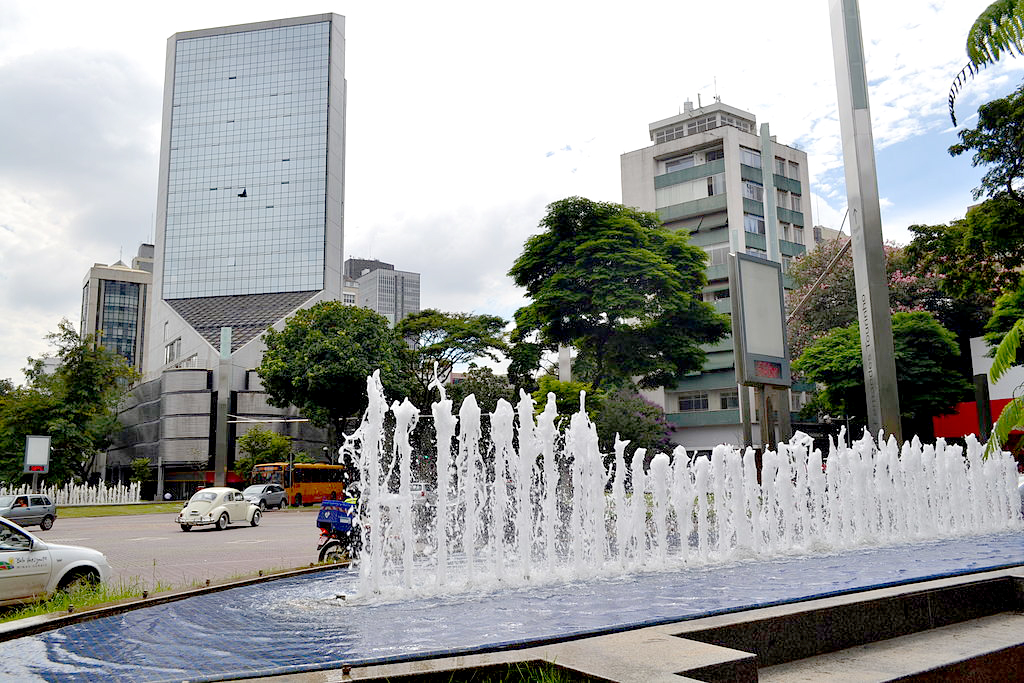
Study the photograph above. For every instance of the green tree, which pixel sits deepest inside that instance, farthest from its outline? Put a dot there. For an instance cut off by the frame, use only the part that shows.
(997, 30)
(926, 355)
(832, 302)
(447, 340)
(567, 396)
(141, 470)
(977, 257)
(997, 143)
(1008, 309)
(487, 387)
(621, 288)
(259, 445)
(320, 360)
(75, 404)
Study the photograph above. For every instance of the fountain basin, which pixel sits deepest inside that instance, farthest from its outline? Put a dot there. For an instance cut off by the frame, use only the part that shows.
(298, 624)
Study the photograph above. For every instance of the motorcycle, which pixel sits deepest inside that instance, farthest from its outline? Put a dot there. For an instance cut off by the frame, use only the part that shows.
(339, 536)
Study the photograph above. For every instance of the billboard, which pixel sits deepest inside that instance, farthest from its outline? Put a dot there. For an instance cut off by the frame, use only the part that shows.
(37, 454)
(758, 321)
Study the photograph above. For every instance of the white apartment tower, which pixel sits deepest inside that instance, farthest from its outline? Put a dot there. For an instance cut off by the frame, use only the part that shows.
(711, 172)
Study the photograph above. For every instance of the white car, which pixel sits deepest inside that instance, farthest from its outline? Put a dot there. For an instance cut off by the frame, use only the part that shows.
(218, 506)
(31, 568)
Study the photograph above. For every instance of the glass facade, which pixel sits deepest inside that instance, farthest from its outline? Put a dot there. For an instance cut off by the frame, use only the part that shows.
(246, 195)
(120, 317)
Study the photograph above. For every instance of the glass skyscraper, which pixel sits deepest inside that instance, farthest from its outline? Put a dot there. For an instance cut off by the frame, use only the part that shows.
(250, 209)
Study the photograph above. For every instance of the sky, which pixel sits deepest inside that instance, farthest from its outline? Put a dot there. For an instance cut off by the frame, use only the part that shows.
(464, 121)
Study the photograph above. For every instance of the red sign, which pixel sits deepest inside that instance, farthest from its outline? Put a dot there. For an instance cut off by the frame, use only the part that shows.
(36, 468)
(767, 369)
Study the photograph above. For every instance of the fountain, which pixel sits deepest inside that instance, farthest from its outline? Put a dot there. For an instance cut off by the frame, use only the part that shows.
(536, 536)
(537, 505)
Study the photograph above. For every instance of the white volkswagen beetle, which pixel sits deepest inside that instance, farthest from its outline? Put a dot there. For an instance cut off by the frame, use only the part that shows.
(218, 506)
(31, 568)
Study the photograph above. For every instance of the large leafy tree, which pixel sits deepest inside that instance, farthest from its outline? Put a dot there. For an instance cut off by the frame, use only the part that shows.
(446, 340)
(997, 31)
(620, 287)
(977, 257)
(487, 387)
(997, 143)
(259, 445)
(320, 360)
(819, 304)
(73, 402)
(926, 360)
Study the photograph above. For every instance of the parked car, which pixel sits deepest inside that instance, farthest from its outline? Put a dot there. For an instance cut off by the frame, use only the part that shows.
(29, 510)
(266, 496)
(31, 568)
(422, 493)
(218, 506)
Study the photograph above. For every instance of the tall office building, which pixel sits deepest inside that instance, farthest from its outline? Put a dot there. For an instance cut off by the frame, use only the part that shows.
(115, 300)
(733, 188)
(250, 211)
(251, 195)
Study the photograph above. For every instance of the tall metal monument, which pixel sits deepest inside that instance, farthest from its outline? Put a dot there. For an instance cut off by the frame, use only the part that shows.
(865, 220)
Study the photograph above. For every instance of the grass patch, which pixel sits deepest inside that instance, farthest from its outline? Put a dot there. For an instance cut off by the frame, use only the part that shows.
(69, 512)
(80, 596)
(532, 672)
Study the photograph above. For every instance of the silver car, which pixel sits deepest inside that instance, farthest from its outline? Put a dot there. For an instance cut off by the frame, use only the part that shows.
(266, 496)
(29, 509)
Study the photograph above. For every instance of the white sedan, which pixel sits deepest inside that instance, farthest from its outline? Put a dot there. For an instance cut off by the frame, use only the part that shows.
(31, 568)
(218, 506)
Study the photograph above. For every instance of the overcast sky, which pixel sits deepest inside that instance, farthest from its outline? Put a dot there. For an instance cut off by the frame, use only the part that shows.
(465, 119)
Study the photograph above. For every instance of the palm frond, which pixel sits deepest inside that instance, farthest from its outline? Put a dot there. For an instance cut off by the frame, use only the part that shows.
(997, 30)
(1006, 352)
(1011, 417)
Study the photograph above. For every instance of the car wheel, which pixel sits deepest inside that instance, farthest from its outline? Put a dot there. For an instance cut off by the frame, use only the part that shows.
(333, 552)
(284, 501)
(255, 518)
(47, 523)
(222, 522)
(186, 527)
(83, 576)
(298, 500)
(263, 504)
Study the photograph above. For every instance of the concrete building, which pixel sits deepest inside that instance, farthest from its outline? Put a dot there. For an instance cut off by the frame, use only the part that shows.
(733, 188)
(115, 301)
(249, 228)
(378, 286)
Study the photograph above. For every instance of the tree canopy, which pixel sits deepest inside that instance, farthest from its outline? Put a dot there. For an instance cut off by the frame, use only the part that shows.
(926, 359)
(74, 403)
(259, 445)
(833, 303)
(447, 339)
(320, 360)
(621, 288)
(997, 143)
(487, 387)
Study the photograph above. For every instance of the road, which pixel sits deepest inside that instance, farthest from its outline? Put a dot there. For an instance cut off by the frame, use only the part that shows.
(153, 549)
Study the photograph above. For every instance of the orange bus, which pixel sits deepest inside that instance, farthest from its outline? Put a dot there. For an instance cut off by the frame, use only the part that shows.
(303, 483)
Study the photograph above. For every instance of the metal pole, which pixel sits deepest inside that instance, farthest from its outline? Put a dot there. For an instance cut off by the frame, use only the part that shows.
(883, 411)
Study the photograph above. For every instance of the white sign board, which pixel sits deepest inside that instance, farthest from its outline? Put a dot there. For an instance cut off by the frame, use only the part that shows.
(37, 454)
(759, 321)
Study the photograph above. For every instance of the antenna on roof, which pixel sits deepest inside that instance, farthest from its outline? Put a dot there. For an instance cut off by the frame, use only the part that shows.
(699, 105)
(717, 98)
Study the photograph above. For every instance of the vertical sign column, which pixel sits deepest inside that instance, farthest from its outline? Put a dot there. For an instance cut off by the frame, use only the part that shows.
(883, 410)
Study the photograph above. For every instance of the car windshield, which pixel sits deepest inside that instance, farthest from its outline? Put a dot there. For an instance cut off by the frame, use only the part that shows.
(417, 487)
(5, 501)
(204, 495)
(253, 489)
